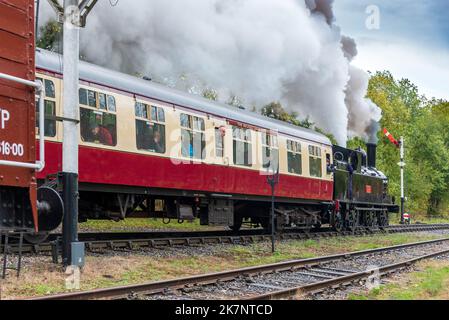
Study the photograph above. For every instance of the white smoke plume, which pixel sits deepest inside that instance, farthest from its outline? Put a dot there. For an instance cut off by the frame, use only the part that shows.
(261, 51)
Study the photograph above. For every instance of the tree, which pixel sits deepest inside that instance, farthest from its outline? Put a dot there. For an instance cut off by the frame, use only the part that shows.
(275, 110)
(210, 94)
(50, 35)
(425, 126)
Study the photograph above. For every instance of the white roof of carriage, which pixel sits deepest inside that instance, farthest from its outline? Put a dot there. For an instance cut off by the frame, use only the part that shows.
(95, 74)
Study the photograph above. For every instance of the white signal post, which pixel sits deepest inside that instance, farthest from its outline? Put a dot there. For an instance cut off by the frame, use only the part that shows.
(402, 165)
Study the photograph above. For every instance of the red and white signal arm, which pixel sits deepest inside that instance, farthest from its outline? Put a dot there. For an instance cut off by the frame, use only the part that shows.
(391, 138)
(406, 216)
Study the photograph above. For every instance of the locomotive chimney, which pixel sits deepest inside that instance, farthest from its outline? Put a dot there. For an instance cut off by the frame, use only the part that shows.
(372, 154)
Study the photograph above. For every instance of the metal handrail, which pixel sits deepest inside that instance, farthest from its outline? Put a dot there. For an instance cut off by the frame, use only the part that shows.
(40, 164)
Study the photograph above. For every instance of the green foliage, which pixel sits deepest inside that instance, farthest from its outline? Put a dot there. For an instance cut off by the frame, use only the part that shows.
(210, 94)
(49, 35)
(275, 110)
(425, 127)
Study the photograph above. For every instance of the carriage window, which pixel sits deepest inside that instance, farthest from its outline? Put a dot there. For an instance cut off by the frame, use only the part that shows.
(91, 99)
(49, 89)
(219, 142)
(98, 127)
(242, 147)
(160, 115)
(270, 152)
(153, 113)
(315, 162)
(294, 157)
(83, 96)
(111, 104)
(50, 109)
(150, 131)
(193, 138)
(50, 124)
(102, 101)
(141, 110)
(97, 100)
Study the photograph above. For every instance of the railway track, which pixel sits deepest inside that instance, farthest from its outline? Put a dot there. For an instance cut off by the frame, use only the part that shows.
(143, 240)
(275, 281)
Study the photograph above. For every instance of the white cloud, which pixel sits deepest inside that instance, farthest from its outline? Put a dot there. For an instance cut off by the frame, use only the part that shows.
(428, 68)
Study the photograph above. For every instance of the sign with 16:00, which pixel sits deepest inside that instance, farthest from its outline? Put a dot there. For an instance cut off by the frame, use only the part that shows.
(11, 149)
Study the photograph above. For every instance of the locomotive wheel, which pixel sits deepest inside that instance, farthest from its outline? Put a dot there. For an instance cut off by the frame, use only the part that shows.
(367, 221)
(238, 221)
(370, 220)
(352, 221)
(36, 238)
(338, 223)
(383, 220)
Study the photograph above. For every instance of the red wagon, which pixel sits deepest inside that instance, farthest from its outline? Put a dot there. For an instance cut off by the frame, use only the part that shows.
(18, 89)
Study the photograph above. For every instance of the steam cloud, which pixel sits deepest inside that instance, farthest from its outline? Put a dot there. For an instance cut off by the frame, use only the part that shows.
(261, 51)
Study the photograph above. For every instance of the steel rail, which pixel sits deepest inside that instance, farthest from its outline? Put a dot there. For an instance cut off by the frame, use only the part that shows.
(176, 284)
(110, 241)
(344, 280)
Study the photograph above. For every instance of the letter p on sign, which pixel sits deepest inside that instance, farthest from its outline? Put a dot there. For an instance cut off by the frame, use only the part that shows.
(4, 117)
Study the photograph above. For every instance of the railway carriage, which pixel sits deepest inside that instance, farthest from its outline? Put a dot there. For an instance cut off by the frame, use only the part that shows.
(146, 149)
(149, 150)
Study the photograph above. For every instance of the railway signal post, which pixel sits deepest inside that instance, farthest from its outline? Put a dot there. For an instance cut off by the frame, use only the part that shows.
(74, 14)
(402, 165)
(399, 144)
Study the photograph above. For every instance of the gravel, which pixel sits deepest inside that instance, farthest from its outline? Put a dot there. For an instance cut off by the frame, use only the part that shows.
(247, 287)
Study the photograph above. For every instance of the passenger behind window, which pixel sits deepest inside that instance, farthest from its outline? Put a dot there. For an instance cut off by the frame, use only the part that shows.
(102, 135)
(158, 145)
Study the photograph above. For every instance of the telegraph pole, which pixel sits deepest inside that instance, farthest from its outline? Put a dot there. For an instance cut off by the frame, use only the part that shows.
(71, 128)
(73, 15)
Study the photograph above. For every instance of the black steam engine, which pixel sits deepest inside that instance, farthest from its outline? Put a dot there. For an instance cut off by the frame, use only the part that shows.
(360, 190)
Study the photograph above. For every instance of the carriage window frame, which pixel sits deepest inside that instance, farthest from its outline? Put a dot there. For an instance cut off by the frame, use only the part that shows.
(315, 161)
(86, 99)
(219, 143)
(143, 114)
(270, 144)
(49, 100)
(193, 127)
(50, 89)
(294, 153)
(242, 139)
(95, 102)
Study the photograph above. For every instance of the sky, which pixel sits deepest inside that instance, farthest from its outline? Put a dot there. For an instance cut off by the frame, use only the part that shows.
(412, 40)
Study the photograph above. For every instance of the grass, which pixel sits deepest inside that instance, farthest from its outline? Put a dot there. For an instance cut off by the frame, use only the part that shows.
(430, 283)
(103, 271)
(140, 224)
(395, 219)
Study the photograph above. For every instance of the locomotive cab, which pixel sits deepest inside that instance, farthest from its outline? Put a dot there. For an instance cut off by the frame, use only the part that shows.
(361, 190)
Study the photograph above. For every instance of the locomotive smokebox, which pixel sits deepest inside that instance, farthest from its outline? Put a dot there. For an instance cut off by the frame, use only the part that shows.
(371, 154)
